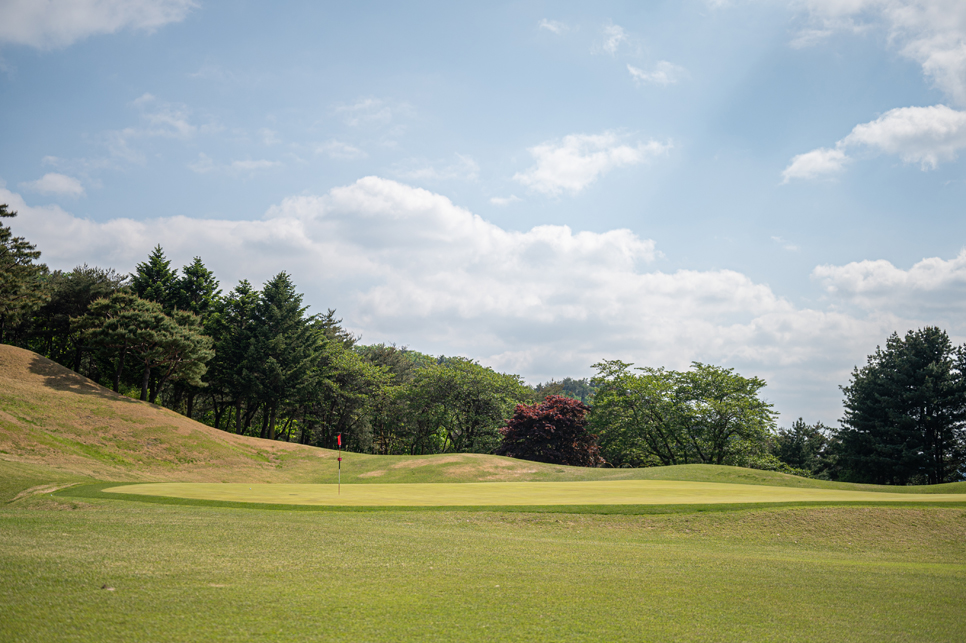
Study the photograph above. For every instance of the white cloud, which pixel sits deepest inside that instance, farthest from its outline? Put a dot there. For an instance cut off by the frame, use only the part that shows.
(664, 73)
(205, 164)
(249, 165)
(784, 244)
(504, 201)
(814, 164)
(614, 35)
(554, 26)
(54, 183)
(366, 112)
(930, 32)
(580, 159)
(407, 265)
(340, 150)
(463, 168)
(931, 284)
(48, 24)
(924, 135)
(269, 137)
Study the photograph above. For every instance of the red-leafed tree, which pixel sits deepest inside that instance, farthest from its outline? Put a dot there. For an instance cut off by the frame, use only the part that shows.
(553, 431)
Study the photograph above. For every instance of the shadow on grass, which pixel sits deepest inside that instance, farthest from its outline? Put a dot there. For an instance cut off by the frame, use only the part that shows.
(95, 491)
(61, 378)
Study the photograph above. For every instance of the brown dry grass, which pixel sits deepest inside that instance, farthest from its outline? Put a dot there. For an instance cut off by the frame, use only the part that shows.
(54, 417)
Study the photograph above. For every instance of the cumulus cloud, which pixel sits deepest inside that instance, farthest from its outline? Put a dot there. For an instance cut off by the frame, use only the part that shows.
(553, 26)
(820, 162)
(664, 73)
(46, 24)
(54, 183)
(407, 265)
(930, 32)
(931, 284)
(576, 161)
(924, 135)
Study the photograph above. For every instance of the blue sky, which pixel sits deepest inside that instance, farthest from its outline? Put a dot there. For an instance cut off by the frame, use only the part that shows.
(770, 186)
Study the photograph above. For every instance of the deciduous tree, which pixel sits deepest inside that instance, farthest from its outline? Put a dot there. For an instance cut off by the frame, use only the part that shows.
(554, 431)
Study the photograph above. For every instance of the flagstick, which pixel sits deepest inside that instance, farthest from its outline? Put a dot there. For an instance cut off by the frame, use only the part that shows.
(340, 464)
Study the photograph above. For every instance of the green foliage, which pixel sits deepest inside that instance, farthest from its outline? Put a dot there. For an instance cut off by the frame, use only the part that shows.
(154, 280)
(582, 389)
(23, 283)
(905, 412)
(706, 415)
(54, 331)
(802, 448)
(197, 289)
(171, 348)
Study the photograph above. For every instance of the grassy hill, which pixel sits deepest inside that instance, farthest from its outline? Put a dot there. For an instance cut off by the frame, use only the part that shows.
(59, 427)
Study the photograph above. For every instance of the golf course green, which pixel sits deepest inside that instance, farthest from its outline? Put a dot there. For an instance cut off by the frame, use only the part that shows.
(613, 492)
(121, 521)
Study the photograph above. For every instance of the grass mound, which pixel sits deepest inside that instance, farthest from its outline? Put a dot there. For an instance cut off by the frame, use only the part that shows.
(59, 427)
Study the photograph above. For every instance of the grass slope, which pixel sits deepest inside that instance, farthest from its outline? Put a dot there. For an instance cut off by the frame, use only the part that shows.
(65, 428)
(80, 565)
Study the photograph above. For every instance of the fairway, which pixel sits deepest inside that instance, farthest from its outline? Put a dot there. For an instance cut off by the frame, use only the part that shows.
(616, 492)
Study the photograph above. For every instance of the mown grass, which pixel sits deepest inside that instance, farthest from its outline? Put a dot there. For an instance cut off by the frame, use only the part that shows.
(187, 573)
(607, 492)
(78, 565)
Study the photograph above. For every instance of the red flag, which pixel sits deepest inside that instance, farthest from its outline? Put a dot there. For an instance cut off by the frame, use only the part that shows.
(340, 439)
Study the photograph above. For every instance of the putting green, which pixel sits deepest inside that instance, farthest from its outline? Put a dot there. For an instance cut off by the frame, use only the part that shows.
(620, 492)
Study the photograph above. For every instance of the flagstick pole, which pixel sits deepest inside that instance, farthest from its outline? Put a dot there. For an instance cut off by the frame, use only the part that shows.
(340, 464)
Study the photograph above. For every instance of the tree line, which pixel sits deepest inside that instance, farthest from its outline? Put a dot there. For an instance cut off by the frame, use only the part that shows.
(256, 362)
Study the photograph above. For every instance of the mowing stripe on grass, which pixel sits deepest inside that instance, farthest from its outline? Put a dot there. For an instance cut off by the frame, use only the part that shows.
(518, 494)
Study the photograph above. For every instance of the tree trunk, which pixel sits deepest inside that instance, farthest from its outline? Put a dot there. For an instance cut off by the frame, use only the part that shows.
(78, 355)
(190, 405)
(120, 369)
(264, 432)
(144, 383)
(271, 423)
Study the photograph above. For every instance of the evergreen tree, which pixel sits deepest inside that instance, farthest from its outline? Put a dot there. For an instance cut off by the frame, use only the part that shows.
(232, 375)
(284, 351)
(803, 446)
(154, 280)
(904, 413)
(54, 330)
(23, 283)
(197, 289)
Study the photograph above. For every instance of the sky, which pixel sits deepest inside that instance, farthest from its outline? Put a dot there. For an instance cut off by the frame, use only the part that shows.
(769, 186)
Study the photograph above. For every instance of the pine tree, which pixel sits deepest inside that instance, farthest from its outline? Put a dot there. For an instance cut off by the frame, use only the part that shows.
(197, 289)
(904, 413)
(284, 351)
(154, 280)
(23, 283)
